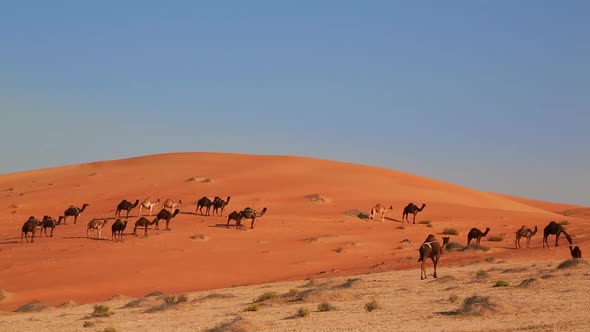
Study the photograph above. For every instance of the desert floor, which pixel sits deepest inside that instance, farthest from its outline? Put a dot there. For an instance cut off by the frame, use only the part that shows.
(311, 231)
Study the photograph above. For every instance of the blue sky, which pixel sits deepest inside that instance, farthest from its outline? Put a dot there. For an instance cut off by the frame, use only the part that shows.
(494, 95)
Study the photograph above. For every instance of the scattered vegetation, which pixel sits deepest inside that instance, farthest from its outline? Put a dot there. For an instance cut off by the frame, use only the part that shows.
(265, 296)
(454, 246)
(302, 312)
(134, 303)
(476, 247)
(481, 274)
(326, 307)
(292, 292)
(424, 222)
(501, 283)
(316, 198)
(87, 324)
(349, 283)
(570, 263)
(101, 310)
(34, 306)
(253, 307)
(515, 270)
(527, 282)
(372, 306)
(453, 298)
(496, 238)
(169, 301)
(156, 293)
(109, 329)
(215, 296)
(474, 305)
(357, 213)
(450, 231)
(199, 237)
(238, 324)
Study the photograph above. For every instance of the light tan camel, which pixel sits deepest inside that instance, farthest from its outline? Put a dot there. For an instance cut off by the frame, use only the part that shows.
(170, 204)
(380, 209)
(524, 232)
(97, 224)
(148, 204)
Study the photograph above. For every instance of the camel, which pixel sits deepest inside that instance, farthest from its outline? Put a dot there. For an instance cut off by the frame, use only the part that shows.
(233, 216)
(557, 229)
(165, 215)
(143, 222)
(576, 252)
(205, 202)
(170, 204)
(220, 204)
(148, 204)
(379, 209)
(97, 224)
(412, 209)
(248, 213)
(127, 206)
(74, 211)
(476, 234)
(117, 228)
(432, 249)
(524, 232)
(30, 226)
(49, 222)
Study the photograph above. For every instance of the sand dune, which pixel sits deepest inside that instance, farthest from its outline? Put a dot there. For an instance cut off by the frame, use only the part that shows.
(298, 237)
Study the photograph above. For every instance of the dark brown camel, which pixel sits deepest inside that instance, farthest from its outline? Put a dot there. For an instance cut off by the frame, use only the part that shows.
(205, 202)
(249, 213)
(220, 204)
(557, 229)
(476, 234)
(432, 249)
(30, 226)
(117, 228)
(143, 222)
(412, 209)
(127, 206)
(73, 211)
(49, 222)
(524, 232)
(576, 252)
(165, 215)
(233, 216)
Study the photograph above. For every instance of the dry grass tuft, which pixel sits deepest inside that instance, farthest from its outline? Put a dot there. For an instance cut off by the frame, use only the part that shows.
(316, 199)
(450, 231)
(35, 306)
(571, 263)
(372, 306)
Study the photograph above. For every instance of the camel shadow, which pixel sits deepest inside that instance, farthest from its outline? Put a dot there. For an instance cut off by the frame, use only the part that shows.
(191, 213)
(392, 219)
(87, 238)
(9, 242)
(225, 226)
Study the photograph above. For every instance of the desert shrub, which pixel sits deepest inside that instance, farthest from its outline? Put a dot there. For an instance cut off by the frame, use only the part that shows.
(170, 300)
(253, 307)
(109, 329)
(348, 283)
(450, 231)
(475, 305)
(476, 247)
(570, 263)
(496, 238)
(373, 305)
(453, 298)
(265, 296)
(88, 324)
(292, 292)
(400, 227)
(424, 222)
(326, 307)
(527, 282)
(34, 306)
(134, 303)
(454, 246)
(101, 310)
(302, 312)
(481, 274)
(501, 283)
(564, 222)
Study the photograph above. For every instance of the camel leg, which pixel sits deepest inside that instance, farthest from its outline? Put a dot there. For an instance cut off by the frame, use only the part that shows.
(423, 270)
(556, 239)
(435, 261)
(145, 232)
(252, 224)
(52, 228)
(75, 219)
(167, 223)
(140, 208)
(414, 221)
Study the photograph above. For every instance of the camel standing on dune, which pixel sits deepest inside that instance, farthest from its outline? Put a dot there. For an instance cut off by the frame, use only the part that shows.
(165, 215)
(476, 234)
(143, 222)
(127, 206)
(206, 203)
(117, 228)
(30, 226)
(432, 249)
(248, 213)
(379, 209)
(413, 209)
(49, 222)
(148, 204)
(235, 215)
(557, 229)
(96, 224)
(75, 212)
(524, 232)
(219, 205)
(170, 204)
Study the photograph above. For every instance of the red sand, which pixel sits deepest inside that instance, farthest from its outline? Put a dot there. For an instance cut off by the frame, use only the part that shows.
(296, 239)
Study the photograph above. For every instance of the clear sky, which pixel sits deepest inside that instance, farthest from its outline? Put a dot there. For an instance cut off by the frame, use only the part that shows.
(494, 95)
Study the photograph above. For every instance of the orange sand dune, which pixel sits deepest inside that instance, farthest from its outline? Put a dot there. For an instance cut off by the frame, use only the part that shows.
(296, 239)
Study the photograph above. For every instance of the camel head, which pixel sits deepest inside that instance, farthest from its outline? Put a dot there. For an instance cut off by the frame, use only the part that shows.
(445, 240)
(262, 212)
(175, 212)
(486, 232)
(228, 198)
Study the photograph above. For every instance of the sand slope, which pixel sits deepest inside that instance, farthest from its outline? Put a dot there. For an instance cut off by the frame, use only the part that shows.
(298, 238)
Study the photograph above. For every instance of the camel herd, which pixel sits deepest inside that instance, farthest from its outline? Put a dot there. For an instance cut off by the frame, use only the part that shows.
(431, 248)
(169, 210)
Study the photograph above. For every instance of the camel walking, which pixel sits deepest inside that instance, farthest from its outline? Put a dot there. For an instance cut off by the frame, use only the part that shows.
(30, 226)
(413, 209)
(75, 212)
(143, 222)
(96, 224)
(125, 205)
(117, 228)
(432, 249)
(476, 234)
(556, 229)
(380, 209)
(219, 205)
(526, 233)
(148, 204)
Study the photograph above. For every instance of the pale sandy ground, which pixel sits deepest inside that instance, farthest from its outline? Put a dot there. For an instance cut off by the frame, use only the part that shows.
(295, 240)
(556, 300)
